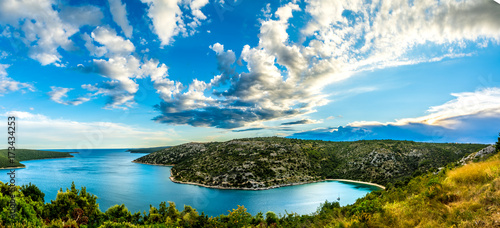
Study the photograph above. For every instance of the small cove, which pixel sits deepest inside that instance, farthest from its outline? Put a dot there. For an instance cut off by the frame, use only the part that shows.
(114, 179)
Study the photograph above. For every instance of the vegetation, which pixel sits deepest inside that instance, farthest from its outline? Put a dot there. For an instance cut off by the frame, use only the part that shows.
(147, 150)
(498, 143)
(465, 196)
(269, 162)
(25, 154)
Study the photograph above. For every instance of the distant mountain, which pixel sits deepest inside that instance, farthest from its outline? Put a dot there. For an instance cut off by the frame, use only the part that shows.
(24, 155)
(259, 163)
(147, 150)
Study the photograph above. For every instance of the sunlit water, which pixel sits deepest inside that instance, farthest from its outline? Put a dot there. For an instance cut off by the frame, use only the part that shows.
(114, 179)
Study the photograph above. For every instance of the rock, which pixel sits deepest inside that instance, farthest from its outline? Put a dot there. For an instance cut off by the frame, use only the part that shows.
(478, 155)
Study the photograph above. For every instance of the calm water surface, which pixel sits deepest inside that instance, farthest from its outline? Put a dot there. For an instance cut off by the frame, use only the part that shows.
(114, 179)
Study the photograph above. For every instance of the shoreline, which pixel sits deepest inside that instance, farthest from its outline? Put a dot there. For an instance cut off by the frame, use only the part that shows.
(150, 164)
(13, 167)
(46, 158)
(261, 188)
(358, 182)
(18, 167)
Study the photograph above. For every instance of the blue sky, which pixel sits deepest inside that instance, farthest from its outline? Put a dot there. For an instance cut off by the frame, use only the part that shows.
(139, 73)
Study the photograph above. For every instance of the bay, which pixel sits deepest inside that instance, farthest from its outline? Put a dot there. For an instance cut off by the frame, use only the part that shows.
(114, 179)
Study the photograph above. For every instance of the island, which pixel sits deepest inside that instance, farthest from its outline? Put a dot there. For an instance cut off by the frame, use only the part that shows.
(147, 150)
(26, 154)
(270, 162)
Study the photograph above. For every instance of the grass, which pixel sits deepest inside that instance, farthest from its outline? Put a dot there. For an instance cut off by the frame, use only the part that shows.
(475, 173)
(467, 196)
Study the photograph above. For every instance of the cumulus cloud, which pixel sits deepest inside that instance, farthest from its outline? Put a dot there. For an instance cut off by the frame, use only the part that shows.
(379, 34)
(122, 67)
(166, 18)
(169, 20)
(470, 117)
(58, 94)
(260, 94)
(485, 102)
(115, 45)
(7, 84)
(41, 28)
(121, 88)
(284, 78)
(119, 13)
(81, 15)
(70, 134)
(97, 51)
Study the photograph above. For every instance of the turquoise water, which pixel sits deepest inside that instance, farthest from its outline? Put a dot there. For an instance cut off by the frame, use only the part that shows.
(110, 175)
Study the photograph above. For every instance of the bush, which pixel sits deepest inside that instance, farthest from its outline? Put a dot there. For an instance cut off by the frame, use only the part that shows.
(271, 218)
(475, 173)
(33, 192)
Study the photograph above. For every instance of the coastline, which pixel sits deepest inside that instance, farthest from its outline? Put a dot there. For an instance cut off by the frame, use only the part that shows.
(275, 186)
(13, 167)
(264, 188)
(47, 158)
(152, 164)
(359, 182)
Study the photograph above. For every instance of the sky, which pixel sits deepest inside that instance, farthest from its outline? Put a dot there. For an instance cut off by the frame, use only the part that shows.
(143, 73)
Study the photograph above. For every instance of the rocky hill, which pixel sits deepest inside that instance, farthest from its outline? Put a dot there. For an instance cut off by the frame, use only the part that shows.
(258, 163)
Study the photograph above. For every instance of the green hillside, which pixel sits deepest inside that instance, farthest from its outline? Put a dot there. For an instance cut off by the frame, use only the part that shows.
(465, 196)
(257, 163)
(25, 154)
(5, 162)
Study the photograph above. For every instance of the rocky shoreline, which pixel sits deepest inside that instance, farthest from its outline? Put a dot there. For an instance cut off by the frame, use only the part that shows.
(259, 188)
(275, 186)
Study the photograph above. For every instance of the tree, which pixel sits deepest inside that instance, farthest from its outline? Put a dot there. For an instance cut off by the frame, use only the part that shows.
(271, 218)
(498, 142)
(33, 192)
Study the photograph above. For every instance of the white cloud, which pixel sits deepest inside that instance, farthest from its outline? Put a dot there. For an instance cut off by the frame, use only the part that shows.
(262, 93)
(115, 44)
(81, 15)
(122, 87)
(58, 94)
(166, 16)
(362, 35)
(195, 6)
(40, 131)
(97, 51)
(119, 12)
(7, 84)
(485, 102)
(41, 28)
(482, 103)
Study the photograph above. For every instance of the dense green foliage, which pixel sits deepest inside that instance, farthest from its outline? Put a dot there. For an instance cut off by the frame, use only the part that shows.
(25, 154)
(273, 161)
(5, 162)
(464, 196)
(147, 150)
(498, 143)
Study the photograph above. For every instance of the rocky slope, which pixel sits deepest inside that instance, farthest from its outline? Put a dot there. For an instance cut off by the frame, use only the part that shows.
(258, 163)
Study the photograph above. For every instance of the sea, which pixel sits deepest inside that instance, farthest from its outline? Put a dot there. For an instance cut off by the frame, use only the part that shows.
(111, 175)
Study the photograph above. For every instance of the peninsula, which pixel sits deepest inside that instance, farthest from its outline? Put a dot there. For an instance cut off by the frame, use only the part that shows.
(270, 162)
(25, 155)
